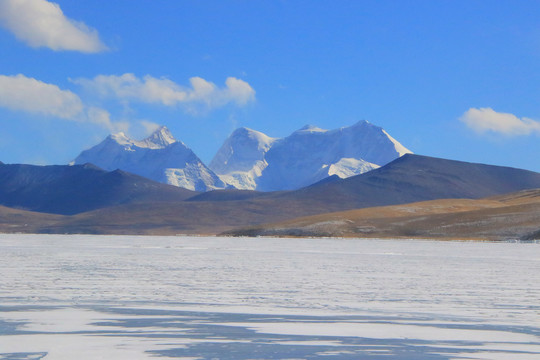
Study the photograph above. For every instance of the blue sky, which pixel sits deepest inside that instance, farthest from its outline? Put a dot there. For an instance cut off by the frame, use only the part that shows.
(453, 79)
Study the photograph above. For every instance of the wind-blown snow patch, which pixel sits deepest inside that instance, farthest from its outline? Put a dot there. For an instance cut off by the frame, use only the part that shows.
(348, 167)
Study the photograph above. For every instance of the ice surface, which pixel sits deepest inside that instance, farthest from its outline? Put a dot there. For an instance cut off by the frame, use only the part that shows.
(116, 297)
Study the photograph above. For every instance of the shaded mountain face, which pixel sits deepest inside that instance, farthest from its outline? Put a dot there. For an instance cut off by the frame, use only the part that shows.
(74, 189)
(412, 178)
(159, 157)
(251, 160)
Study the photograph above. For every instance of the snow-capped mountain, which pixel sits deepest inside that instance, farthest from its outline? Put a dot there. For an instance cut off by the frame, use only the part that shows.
(252, 160)
(241, 159)
(159, 157)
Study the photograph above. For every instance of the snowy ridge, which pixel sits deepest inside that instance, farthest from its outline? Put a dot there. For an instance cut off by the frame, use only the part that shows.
(251, 160)
(241, 158)
(401, 150)
(159, 139)
(159, 157)
(309, 129)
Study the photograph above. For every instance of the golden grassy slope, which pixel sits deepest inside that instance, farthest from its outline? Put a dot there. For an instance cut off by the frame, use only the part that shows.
(511, 216)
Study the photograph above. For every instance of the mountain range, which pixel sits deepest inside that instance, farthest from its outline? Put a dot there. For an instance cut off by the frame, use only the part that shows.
(86, 199)
(249, 159)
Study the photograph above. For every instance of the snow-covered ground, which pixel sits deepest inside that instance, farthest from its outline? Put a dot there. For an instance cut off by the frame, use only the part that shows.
(105, 297)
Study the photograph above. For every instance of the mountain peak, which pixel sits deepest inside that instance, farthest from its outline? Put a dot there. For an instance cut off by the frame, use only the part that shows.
(159, 157)
(243, 151)
(310, 129)
(160, 138)
(362, 123)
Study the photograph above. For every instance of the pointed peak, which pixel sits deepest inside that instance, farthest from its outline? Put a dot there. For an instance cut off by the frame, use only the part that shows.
(362, 122)
(309, 129)
(162, 130)
(363, 125)
(160, 138)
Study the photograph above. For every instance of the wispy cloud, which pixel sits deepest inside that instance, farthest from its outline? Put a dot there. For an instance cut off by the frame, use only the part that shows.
(166, 92)
(29, 95)
(40, 23)
(21, 93)
(149, 126)
(484, 120)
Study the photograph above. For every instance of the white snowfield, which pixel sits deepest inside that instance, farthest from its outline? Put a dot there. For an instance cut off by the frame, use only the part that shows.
(124, 297)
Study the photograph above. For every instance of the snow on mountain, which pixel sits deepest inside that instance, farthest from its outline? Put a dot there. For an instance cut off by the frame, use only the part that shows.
(159, 157)
(251, 160)
(347, 167)
(240, 160)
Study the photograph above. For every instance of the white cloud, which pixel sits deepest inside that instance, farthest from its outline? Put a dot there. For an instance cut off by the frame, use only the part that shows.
(21, 93)
(149, 126)
(128, 86)
(102, 118)
(238, 91)
(166, 92)
(40, 23)
(484, 120)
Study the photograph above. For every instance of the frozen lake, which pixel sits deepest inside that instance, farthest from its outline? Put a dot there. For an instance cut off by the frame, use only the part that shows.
(124, 297)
